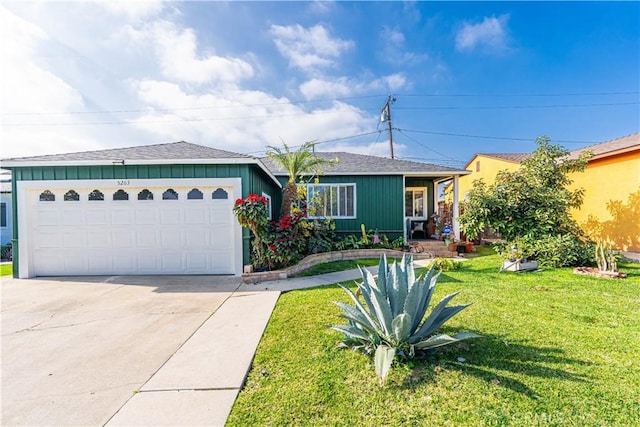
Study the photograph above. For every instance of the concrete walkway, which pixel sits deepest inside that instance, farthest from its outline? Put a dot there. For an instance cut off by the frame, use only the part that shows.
(198, 385)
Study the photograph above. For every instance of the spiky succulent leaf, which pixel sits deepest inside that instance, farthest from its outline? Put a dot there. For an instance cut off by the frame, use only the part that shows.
(382, 274)
(445, 315)
(383, 360)
(352, 333)
(435, 312)
(401, 327)
(357, 318)
(371, 321)
(379, 305)
(440, 340)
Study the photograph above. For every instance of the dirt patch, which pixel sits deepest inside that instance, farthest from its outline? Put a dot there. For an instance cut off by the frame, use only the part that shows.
(592, 271)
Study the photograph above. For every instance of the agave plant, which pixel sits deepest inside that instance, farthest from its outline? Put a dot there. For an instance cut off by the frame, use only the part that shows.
(390, 321)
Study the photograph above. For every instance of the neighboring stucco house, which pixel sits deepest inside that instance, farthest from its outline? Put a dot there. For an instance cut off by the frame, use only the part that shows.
(486, 166)
(6, 227)
(611, 182)
(167, 208)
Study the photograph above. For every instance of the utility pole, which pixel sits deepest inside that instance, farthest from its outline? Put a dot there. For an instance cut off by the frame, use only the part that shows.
(385, 116)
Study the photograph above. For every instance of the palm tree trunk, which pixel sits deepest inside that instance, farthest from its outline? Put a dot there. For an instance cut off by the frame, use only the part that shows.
(289, 195)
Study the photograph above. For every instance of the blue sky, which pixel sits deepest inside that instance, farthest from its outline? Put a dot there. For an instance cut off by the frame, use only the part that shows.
(467, 77)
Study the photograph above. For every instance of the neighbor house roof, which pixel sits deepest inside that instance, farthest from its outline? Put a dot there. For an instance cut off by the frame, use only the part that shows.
(360, 164)
(509, 157)
(611, 147)
(171, 153)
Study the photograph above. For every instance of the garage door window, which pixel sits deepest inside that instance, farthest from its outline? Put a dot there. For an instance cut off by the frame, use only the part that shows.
(47, 196)
(96, 195)
(145, 195)
(220, 194)
(120, 195)
(170, 194)
(194, 194)
(71, 196)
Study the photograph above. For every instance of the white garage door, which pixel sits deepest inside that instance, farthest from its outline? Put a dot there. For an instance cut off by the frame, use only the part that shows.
(132, 227)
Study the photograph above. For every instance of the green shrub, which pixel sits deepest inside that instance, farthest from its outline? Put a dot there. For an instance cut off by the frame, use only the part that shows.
(563, 250)
(392, 322)
(444, 264)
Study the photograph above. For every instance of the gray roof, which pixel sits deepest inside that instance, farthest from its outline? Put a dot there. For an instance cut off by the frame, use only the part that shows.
(360, 164)
(174, 150)
(511, 157)
(614, 146)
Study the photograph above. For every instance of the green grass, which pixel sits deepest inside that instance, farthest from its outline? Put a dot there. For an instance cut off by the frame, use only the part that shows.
(558, 349)
(6, 269)
(330, 267)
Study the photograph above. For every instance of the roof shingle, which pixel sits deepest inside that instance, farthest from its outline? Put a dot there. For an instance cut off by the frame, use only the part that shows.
(609, 147)
(358, 164)
(174, 150)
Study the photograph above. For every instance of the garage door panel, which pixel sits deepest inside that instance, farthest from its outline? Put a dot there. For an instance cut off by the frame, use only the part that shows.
(72, 216)
(99, 239)
(171, 216)
(122, 238)
(73, 239)
(133, 236)
(97, 217)
(48, 217)
(122, 216)
(147, 216)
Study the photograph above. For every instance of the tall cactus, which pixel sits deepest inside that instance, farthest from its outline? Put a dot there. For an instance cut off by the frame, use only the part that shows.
(605, 257)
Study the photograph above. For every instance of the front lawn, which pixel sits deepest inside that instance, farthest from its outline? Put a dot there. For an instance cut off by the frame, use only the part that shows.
(558, 349)
(6, 269)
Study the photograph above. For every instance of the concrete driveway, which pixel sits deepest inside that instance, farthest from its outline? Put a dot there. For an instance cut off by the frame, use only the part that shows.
(74, 350)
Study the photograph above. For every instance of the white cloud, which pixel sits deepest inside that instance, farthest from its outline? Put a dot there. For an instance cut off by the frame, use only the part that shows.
(395, 51)
(345, 86)
(180, 59)
(491, 33)
(133, 10)
(308, 48)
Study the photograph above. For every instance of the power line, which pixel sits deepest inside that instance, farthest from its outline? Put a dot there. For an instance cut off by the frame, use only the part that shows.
(302, 102)
(328, 140)
(493, 137)
(498, 95)
(421, 144)
(520, 107)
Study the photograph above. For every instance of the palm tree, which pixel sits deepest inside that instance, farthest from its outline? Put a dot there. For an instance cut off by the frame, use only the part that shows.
(296, 163)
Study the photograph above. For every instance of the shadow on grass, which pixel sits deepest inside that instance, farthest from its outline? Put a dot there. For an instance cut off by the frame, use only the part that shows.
(492, 359)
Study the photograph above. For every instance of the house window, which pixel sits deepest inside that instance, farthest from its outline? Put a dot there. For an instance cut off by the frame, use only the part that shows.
(3, 214)
(120, 195)
(194, 194)
(268, 197)
(219, 194)
(96, 195)
(414, 202)
(71, 196)
(170, 194)
(145, 195)
(331, 200)
(47, 196)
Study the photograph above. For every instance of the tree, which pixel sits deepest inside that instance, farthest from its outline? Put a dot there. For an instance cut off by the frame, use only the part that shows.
(529, 203)
(297, 163)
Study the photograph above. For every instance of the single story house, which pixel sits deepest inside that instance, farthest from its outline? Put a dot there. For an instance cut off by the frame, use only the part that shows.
(167, 208)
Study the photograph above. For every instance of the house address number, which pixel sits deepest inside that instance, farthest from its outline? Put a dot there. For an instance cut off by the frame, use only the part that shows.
(124, 182)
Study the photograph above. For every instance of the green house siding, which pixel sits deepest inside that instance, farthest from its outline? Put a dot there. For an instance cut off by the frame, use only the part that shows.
(423, 182)
(379, 202)
(254, 180)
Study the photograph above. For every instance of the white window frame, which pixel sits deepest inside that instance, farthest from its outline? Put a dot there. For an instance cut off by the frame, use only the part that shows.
(424, 202)
(268, 197)
(337, 188)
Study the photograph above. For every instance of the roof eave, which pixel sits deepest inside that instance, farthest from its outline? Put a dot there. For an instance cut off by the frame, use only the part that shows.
(433, 174)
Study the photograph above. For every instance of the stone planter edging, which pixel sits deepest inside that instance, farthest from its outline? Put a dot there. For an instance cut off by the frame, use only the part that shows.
(323, 257)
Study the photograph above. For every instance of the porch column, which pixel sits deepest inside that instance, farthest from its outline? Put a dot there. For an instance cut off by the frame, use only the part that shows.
(456, 209)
